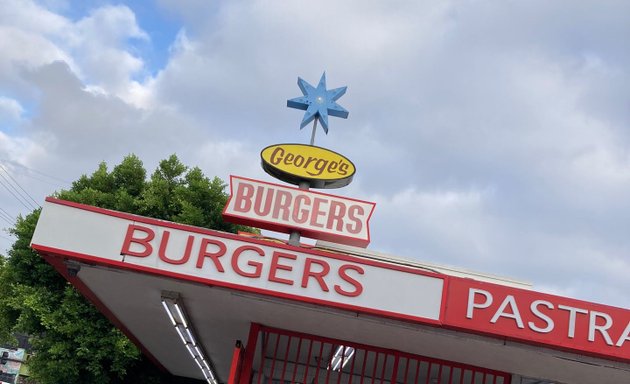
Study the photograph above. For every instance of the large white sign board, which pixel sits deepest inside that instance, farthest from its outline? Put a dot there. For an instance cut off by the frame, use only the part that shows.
(196, 254)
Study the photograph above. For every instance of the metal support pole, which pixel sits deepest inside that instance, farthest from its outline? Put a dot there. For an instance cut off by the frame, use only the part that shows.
(314, 130)
(294, 237)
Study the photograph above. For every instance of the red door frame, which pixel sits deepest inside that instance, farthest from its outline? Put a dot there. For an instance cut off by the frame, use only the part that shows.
(400, 360)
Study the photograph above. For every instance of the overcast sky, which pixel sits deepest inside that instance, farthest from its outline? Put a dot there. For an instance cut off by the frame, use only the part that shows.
(492, 135)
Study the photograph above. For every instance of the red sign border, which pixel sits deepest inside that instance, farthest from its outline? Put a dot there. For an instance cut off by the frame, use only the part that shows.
(284, 228)
(454, 304)
(317, 252)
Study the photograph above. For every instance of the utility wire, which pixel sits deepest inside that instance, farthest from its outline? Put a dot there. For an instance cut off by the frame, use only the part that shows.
(18, 184)
(6, 217)
(6, 238)
(3, 214)
(42, 180)
(66, 182)
(7, 213)
(6, 220)
(16, 196)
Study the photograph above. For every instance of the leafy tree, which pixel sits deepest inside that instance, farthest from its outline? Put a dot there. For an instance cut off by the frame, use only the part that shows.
(72, 341)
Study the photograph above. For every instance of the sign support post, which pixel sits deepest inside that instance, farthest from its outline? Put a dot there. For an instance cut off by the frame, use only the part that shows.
(294, 237)
(317, 102)
(302, 212)
(314, 130)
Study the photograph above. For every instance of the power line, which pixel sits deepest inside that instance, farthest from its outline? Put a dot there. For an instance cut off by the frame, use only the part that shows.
(36, 171)
(19, 186)
(6, 238)
(21, 198)
(14, 195)
(7, 213)
(4, 215)
(56, 184)
(6, 220)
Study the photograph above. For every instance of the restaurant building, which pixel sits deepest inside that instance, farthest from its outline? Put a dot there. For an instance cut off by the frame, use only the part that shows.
(229, 308)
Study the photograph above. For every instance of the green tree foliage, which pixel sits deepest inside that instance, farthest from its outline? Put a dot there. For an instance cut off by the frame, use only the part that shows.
(73, 342)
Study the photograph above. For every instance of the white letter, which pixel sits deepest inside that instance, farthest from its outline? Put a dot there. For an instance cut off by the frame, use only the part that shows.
(592, 326)
(471, 301)
(624, 336)
(572, 316)
(509, 299)
(542, 316)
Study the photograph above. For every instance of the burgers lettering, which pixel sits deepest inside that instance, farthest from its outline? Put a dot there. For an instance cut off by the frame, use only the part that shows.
(284, 209)
(212, 255)
(315, 210)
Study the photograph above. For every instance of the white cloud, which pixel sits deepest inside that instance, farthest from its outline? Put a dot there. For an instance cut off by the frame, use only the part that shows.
(100, 44)
(24, 49)
(95, 47)
(29, 17)
(10, 111)
(225, 158)
(492, 135)
(20, 149)
(435, 225)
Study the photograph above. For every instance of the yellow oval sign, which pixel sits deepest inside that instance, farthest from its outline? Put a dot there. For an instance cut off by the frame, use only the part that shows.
(300, 163)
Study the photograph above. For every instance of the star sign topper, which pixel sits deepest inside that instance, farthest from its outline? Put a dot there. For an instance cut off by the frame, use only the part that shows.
(318, 103)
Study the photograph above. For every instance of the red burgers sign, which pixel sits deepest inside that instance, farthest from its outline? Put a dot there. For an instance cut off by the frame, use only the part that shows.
(284, 209)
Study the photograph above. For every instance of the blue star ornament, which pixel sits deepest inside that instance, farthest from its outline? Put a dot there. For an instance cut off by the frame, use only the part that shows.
(318, 102)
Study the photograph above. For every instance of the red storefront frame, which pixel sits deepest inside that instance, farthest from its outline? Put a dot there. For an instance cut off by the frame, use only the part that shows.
(277, 356)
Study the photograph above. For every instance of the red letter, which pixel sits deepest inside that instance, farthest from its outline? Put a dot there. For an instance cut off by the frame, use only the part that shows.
(203, 253)
(243, 197)
(319, 276)
(257, 266)
(162, 250)
(259, 209)
(358, 288)
(148, 249)
(316, 212)
(283, 200)
(334, 215)
(300, 215)
(358, 225)
(275, 265)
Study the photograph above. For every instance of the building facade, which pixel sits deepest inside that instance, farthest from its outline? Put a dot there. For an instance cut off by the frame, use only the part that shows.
(233, 309)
